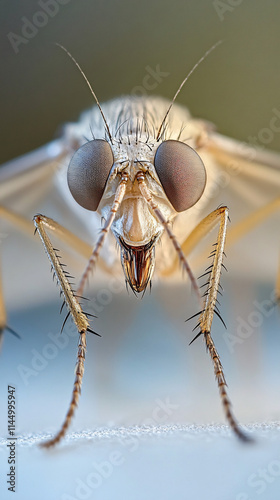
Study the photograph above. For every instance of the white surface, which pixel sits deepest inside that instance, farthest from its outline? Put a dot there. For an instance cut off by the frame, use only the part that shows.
(152, 462)
(141, 362)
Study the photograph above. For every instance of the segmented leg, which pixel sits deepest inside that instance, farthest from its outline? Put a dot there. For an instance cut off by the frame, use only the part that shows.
(234, 234)
(71, 298)
(120, 192)
(69, 239)
(148, 196)
(78, 316)
(207, 314)
(209, 307)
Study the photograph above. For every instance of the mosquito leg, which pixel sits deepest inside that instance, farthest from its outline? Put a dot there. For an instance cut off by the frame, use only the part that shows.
(147, 195)
(234, 234)
(120, 192)
(71, 240)
(82, 248)
(243, 227)
(207, 314)
(209, 307)
(70, 297)
(190, 243)
(80, 320)
(206, 318)
(27, 228)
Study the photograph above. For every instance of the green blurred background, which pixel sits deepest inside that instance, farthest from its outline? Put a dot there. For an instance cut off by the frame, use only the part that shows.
(114, 41)
(143, 354)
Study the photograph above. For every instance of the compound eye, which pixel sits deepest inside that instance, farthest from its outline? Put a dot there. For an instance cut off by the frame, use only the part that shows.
(88, 172)
(181, 173)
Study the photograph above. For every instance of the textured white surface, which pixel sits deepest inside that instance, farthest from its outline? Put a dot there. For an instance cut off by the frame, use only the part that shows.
(126, 441)
(198, 462)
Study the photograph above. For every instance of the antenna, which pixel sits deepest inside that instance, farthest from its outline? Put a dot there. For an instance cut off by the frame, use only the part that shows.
(90, 88)
(183, 83)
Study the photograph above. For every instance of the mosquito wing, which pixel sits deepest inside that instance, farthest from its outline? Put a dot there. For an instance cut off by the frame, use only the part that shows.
(253, 172)
(29, 185)
(248, 180)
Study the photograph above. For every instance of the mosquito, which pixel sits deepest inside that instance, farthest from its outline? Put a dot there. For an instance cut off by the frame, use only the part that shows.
(142, 164)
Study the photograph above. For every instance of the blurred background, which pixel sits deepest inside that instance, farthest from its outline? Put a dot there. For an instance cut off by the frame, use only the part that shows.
(143, 358)
(115, 41)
